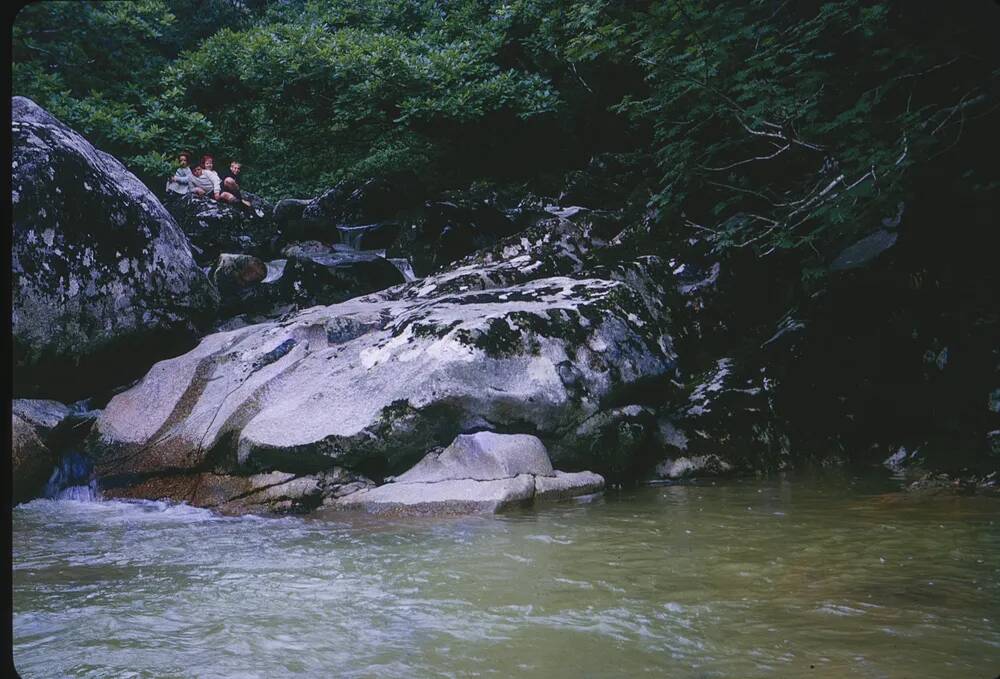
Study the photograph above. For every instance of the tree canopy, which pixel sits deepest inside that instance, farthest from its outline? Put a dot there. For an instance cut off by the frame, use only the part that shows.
(771, 125)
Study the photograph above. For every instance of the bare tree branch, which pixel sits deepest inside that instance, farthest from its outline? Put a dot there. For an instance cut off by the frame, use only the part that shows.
(749, 160)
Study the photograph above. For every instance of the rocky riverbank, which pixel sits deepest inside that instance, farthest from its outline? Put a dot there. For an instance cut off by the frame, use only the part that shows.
(293, 356)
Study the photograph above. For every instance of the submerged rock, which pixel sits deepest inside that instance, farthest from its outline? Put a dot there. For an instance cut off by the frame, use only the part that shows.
(104, 282)
(484, 472)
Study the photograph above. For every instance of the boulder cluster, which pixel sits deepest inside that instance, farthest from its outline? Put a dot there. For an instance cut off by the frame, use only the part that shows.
(377, 349)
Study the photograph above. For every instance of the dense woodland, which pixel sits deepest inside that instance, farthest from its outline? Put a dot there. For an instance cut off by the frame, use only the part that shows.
(769, 124)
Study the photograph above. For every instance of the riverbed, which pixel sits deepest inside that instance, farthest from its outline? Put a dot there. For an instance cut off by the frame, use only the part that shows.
(836, 576)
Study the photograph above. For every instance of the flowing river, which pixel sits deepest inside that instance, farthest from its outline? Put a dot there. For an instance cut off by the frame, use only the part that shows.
(833, 577)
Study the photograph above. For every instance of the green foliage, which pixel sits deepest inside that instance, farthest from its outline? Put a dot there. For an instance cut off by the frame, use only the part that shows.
(775, 125)
(367, 97)
(796, 125)
(308, 93)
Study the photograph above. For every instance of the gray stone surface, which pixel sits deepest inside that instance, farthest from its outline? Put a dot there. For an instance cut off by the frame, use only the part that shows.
(444, 497)
(97, 264)
(483, 472)
(382, 379)
(34, 452)
(483, 456)
(274, 492)
(45, 415)
(567, 484)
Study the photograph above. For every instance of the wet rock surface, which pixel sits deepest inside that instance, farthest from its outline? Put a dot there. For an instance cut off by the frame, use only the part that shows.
(31, 459)
(484, 456)
(484, 472)
(725, 423)
(42, 430)
(104, 281)
(273, 492)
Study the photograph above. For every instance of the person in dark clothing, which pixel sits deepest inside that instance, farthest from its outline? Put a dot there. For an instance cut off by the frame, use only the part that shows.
(231, 185)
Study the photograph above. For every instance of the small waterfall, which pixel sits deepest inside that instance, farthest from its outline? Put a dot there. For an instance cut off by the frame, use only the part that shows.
(72, 479)
(351, 236)
(405, 268)
(275, 270)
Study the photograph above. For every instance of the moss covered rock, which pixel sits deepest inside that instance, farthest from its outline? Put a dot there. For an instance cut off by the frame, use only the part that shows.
(104, 282)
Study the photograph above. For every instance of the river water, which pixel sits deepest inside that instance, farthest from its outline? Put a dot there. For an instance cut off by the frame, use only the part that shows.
(814, 577)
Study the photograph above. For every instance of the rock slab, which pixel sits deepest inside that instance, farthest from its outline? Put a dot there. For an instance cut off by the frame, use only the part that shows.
(483, 472)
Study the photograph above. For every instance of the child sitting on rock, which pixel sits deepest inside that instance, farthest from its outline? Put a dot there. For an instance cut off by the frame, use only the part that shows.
(179, 184)
(231, 186)
(208, 164)
(201, 185)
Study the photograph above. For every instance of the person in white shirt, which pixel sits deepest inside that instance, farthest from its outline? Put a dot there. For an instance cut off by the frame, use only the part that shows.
(201, 185)
(179, 184)
(207, 162)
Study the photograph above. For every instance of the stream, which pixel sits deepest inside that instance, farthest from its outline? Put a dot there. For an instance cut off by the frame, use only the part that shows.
(830, 576)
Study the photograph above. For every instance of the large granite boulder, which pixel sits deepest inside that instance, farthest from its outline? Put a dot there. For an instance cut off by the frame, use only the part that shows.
(483, 472)
(104, 282)
(215, 227)
(374, 382)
